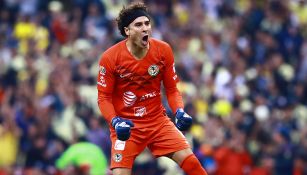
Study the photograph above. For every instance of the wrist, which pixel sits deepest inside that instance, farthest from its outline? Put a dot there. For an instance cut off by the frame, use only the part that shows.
(115, 120)
(179, 110)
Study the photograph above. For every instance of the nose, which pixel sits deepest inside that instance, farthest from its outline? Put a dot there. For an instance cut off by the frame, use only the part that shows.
(145, 27)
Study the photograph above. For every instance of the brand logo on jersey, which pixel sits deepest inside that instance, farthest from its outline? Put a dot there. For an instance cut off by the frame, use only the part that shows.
(124, 75)
(117, 157)
(153, 70)
(119, 145)
(102, 70)
(139, 111)
(129, 98)
(149, 95)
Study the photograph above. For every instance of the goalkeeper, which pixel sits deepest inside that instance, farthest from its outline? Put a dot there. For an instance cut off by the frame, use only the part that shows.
(129, 97)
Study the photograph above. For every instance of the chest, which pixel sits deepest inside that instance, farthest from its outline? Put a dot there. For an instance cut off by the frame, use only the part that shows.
(139, 72)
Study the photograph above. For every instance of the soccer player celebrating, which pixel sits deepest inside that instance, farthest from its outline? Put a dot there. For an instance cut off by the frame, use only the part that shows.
(129, 97)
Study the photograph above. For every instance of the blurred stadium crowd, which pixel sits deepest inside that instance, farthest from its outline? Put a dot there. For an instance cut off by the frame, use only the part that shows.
(243, 70)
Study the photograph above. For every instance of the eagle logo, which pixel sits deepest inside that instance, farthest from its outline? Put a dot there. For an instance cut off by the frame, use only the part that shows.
(117, 157)
(153, 70)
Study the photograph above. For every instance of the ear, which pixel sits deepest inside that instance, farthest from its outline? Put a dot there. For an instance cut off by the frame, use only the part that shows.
(127, 31)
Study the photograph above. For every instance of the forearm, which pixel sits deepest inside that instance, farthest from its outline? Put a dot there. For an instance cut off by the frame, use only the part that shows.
(174, 99)
(106, 106)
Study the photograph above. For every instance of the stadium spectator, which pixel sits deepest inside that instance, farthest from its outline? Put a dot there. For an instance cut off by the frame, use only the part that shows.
(242, 66)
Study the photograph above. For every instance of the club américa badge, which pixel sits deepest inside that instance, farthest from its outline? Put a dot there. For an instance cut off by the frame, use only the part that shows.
(117, 157)
(153, 70)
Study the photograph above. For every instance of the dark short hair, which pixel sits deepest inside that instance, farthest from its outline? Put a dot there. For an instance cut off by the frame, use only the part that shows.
(124, 17)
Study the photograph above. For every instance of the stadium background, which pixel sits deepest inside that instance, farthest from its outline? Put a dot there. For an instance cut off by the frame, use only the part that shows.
(243, 66)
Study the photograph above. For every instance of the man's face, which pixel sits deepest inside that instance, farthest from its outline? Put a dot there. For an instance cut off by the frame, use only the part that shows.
(139, 31)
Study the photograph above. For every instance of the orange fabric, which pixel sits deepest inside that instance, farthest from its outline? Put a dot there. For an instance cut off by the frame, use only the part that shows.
(230, 162)
(106, 106)
(259, 171)
(1, 95)
(298, 171)
(161, 138)
(192, 166)
(60, 31)
(130, 88)
(3, 172)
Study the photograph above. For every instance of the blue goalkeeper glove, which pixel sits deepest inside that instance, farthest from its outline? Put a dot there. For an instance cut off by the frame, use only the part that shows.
(183, 120)
(122, 128)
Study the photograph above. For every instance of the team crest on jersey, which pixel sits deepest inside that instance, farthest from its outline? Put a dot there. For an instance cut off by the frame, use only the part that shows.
(117, 157)
(153, 70)
(102, 70)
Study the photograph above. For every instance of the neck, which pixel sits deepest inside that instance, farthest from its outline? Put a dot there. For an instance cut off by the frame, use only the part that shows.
(137, 51)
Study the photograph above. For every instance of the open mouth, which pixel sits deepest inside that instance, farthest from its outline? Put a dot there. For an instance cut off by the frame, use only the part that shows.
(145, 40)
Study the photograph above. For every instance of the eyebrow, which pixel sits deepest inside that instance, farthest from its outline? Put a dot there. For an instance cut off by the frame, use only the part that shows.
(146, 21)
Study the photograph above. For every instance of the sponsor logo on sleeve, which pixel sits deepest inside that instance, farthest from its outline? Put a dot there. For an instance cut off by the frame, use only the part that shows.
(102, 72)
(102, 82)
(139, 111)
(174, 69)
(129, 98)
(175, 77)
(153, 70)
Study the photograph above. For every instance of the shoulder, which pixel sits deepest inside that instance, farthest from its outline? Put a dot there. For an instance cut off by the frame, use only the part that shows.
(163, 49)
(115, 49)
(112, 53)
(160, 43)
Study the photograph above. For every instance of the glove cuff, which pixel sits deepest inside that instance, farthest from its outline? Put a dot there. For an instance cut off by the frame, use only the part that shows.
(115, 120)
(179, 110)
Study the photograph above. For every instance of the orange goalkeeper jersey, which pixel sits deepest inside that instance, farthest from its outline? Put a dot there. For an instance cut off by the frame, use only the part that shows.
(130, 88)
